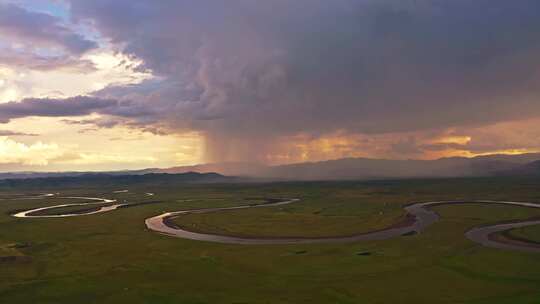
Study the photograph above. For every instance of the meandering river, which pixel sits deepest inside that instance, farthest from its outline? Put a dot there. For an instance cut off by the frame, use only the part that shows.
(419, 215)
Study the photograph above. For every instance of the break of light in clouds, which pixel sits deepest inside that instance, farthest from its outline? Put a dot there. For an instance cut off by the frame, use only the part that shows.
(129, 84)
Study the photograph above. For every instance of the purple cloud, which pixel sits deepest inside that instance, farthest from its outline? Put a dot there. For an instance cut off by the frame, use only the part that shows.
(33, 61)
(42, 29)
(14, 133)
(250, 68)
(247, 73)
(74, 106)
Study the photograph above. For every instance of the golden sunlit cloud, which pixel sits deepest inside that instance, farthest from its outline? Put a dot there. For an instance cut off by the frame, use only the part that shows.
(92, 159)
(460, 140)
(515, 137)
(36, 154)
(110, 68)
(43, 154)
(63, 146)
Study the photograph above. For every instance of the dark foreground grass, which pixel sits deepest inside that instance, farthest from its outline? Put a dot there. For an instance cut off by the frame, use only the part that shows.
(112, 258)
(531, 233)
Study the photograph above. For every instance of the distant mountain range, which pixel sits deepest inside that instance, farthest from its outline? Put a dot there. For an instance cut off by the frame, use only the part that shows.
(365, 168)
(343, 169)
(529, 169)
(112, 179)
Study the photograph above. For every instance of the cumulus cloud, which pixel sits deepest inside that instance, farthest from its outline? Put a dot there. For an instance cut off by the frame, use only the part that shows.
(42, 154)
(12, 152)
(37, 28)
(249, 75)
(39, 41)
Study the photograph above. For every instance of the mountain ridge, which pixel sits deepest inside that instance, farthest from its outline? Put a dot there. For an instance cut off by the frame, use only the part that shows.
(344, 168)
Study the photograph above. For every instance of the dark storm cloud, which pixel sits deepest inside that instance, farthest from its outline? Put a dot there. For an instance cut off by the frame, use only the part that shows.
(44, 107)
(247, 71)
(36, 28)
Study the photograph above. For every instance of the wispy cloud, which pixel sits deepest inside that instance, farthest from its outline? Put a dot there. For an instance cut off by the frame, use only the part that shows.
(15, 133)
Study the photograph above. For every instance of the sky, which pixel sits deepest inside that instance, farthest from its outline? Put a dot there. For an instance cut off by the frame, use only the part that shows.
(126, 84)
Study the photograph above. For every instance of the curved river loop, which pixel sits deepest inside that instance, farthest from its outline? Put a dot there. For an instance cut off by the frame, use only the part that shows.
(419, 217)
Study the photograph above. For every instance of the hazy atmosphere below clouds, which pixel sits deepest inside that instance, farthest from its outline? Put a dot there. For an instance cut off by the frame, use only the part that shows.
(125, 84)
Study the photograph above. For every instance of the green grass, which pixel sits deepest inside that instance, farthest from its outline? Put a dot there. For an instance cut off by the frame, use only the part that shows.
(112, 258)
(302, 222)
(327, 216)
(531, 233)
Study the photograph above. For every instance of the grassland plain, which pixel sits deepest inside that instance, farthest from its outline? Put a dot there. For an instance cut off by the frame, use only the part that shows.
(112, 258)
(531, 233)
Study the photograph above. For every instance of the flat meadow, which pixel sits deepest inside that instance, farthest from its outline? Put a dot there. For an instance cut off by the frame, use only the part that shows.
(113, 258)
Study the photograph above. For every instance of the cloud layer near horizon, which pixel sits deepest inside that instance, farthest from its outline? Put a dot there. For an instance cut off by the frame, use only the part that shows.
(258, 78)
